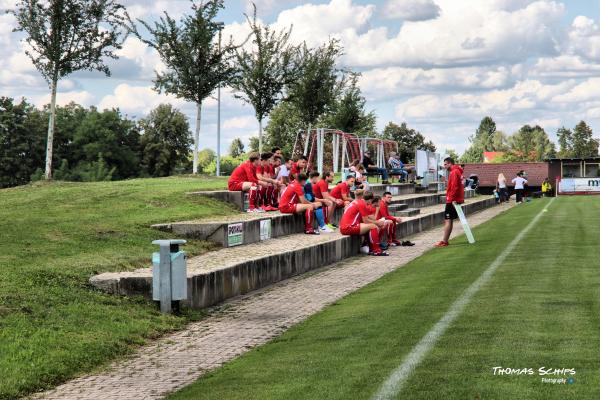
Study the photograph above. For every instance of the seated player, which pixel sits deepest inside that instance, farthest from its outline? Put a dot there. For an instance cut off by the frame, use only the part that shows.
(264, 173)
(293, 202)
(310, 196)
(341, 192)
(321, 190)
(358, 219)
(390, 220)
(283, 175)
(312, 192)
(244, 179)
(299, 167)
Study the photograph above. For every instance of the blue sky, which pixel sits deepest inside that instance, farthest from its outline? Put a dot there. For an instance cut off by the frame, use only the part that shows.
(439, 65)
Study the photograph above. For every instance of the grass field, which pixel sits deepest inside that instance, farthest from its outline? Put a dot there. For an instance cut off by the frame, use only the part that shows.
(541, 309)
(53, 238)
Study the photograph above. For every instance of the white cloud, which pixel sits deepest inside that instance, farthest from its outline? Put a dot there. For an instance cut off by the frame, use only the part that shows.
(586, 91)
(83, 97)
(138, 100)
(245, 122)
(411, 10)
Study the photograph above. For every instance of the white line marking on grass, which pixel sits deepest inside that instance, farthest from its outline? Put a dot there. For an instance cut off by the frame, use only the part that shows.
(393, 385)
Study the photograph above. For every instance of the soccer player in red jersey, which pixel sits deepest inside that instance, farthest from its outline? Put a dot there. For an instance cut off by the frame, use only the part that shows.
(264, 172)
(358, 219)
(329, 202)
(293, 202)
(391, 221)
(455, 193)
(244, 179)
(314, 189)
(298, 167)
(341, 192)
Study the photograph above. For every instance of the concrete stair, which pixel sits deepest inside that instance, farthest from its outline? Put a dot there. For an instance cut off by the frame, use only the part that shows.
(232, 271)
(409, 212)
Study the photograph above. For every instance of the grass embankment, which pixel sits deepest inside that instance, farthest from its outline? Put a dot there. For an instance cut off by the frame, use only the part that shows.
(540, 309)
(54, 237)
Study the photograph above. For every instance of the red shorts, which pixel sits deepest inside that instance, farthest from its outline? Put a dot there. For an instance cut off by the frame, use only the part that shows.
(350, 230)
(235, 186)
(287, 208)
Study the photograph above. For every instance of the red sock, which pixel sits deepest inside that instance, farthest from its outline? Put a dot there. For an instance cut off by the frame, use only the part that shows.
(262, 196)
(269, 198)
(374, 240)
(326, 214)
(391, 232)
(252, 197)
(308, 218)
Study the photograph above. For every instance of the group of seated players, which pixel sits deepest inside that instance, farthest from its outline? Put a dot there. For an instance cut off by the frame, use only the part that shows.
(274, 183)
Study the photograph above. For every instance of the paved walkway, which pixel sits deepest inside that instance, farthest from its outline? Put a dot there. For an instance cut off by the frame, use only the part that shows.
(240, 324)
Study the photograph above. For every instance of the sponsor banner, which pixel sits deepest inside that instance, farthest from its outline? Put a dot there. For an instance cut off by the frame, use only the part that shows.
(579, 185)
(235, 234)
(265, 229)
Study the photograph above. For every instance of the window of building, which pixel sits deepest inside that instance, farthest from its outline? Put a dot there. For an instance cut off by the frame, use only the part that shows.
(592, 170)
(571, 170)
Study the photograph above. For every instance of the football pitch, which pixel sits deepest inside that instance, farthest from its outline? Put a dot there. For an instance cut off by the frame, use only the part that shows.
(514, 316)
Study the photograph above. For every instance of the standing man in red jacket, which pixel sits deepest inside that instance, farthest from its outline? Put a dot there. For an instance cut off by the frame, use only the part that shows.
(455, 193)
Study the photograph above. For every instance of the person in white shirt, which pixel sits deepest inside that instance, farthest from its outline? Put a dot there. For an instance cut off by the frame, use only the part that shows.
(519, 183)
(501, 187)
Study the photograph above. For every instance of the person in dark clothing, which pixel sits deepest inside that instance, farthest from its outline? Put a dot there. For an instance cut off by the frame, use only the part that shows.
(373, 168)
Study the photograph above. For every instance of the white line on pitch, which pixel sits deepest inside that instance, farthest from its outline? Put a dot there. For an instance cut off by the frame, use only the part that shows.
(393, 385)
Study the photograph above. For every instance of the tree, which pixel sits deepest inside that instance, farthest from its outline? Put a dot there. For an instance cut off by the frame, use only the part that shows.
(285, 122)
(483, 140)
(314, 91)
(21, 148)
(196, 65)
(583, 144)
(108, 134)
(236, 148)
(453, 154)
(205, 158)
(253, 145)
(565, 141)
(409, 140)
(165, 141)
(529, 144)
(265, 71)
(348, 112)
(66, 36)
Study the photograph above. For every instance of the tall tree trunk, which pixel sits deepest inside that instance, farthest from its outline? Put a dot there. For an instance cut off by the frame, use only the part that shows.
(51, 124)
(260, 141)
(197, 138)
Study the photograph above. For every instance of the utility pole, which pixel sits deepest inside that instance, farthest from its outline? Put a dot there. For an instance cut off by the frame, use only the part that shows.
(220, 26)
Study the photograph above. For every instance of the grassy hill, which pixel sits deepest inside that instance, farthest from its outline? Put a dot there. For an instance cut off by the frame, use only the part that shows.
(54, 237)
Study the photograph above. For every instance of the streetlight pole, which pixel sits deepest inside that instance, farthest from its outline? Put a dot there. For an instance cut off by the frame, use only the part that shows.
(220, 26)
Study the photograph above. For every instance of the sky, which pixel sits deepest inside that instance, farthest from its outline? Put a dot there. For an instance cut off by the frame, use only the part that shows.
(438, 65)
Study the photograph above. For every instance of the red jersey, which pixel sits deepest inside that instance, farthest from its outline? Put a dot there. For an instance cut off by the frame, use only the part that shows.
(265, 170)
(316, 189)
(383, 211)
(291, 195)
(456, 190)
(354, 213)
(323, 186)
(339, 189)
(245, 172)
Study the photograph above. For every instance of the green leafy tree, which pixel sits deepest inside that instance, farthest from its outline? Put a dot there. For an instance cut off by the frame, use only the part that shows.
(236, 148)
(409, 140)
(565, 142)
(196, 63)
(483, 140)
(264, 71)
(165, 141)
(254, 143)
(66, 36)
(348, 111)
(111, 135)
(315, 89)
(452, 153)
(205, 158)
(583, 143)
(228, 164)
(285, 122)
(21, 147)
(529, 144)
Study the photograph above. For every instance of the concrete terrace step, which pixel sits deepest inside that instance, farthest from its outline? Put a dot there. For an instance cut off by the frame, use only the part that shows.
(240, 229)
(409, 212)
(229, 272)
(237, 199)
(397, 207)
